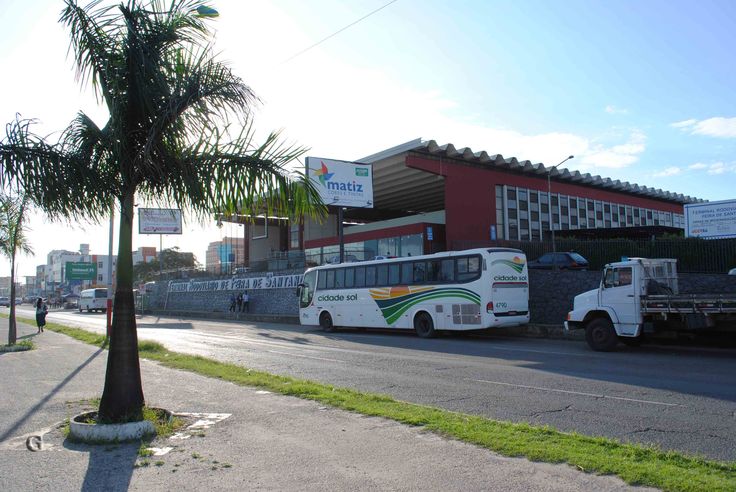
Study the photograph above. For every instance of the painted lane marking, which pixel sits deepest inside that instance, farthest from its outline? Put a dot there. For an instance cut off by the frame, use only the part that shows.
(580, 393)
(305, 356)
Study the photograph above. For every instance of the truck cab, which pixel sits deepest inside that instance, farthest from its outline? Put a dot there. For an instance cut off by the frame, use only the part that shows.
(612, 312)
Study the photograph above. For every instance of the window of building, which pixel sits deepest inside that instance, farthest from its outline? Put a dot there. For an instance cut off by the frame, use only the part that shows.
(294, 236)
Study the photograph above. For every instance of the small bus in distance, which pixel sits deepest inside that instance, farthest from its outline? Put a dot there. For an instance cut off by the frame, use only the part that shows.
(93, 300)
(455, 291)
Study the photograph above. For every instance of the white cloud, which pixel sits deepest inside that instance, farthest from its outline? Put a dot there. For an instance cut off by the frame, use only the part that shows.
(712, 127)
(714, 168)
(611, 109)
(684, 124)
(670, 171)
(617, 156)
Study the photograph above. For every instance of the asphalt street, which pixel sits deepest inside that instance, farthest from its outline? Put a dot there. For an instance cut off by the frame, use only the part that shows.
(674, 397)
(234, 438)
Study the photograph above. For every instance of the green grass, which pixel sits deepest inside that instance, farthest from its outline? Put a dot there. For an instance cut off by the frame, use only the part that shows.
(635, 464)
(21, 346)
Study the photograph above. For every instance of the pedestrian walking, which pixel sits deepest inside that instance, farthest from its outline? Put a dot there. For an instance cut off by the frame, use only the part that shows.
(246, 298)
(41, 311)
(232, 303)
(240, 302)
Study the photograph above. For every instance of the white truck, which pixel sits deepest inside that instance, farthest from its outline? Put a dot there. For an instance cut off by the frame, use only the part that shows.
(640, 296)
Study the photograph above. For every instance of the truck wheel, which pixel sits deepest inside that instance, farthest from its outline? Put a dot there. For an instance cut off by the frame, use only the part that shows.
(600, 335)
(424, 326)
(325, 321)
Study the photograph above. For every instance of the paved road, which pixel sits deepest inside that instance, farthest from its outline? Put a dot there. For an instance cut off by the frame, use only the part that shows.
(674, 397)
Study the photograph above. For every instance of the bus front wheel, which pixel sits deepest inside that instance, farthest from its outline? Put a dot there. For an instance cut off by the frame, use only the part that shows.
(325, 321)
(424, 326)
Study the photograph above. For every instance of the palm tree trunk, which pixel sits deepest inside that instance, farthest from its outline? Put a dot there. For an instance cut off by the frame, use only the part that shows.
(122, 398)
(12, 329)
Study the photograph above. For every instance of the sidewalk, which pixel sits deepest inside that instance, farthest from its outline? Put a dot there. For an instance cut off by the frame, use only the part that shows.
(268, 441)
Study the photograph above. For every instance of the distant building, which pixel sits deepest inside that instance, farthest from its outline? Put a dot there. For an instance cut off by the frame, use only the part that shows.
(40, 278)
(226, 255)
(145, 254)
(56, 262)
(102, 266)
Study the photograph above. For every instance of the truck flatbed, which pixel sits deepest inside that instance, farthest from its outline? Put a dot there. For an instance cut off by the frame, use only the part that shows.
(689, 303)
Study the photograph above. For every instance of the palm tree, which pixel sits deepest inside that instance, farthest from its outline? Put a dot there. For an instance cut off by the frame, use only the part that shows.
(179, 132)
(13, 240)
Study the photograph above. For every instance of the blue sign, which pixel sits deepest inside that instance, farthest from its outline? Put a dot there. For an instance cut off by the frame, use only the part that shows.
(430, 233)
(493, 233)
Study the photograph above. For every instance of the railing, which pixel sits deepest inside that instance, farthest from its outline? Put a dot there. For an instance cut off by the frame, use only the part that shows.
(692, 255)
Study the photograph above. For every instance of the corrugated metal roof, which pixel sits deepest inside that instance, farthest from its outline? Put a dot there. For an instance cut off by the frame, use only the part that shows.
(527, 167)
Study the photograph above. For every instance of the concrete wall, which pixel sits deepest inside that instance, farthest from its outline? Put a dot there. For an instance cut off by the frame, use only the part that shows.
(550, 298)
(262, 301)
(551, 294)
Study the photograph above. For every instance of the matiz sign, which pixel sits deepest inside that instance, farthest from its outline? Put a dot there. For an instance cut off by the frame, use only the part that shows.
(341, 183)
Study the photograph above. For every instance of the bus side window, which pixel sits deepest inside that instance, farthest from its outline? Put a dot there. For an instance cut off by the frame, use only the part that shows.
(340, 278)
(370, 276)
(394, 272)
(448, 271)
(468, 268)
(381, 275)
(433, 271)
(407, 273)
(330, 280)
(360, 277)
(419, 272)
(321, 281)
(349, 277)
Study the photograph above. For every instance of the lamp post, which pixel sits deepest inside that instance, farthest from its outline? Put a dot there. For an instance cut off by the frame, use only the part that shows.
(549, 200)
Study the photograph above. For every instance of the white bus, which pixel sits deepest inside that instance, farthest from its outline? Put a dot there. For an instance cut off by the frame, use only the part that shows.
(93, 300)
(457, 290)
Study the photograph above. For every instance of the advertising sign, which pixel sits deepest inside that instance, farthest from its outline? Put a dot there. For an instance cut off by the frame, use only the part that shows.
(341, 183)
(81, 271)
(712, 220)
(159, 221)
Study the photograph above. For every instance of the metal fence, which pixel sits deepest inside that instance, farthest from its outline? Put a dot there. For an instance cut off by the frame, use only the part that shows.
(692, 255)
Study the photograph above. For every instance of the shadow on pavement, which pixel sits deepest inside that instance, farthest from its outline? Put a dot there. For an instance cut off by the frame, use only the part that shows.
(110, 466)
(16, 425)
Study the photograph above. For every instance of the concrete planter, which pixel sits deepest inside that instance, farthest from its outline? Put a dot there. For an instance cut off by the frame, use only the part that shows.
(80, 430)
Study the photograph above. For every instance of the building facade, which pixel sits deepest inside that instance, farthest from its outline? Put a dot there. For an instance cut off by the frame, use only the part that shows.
(225, 256)
(430, 197)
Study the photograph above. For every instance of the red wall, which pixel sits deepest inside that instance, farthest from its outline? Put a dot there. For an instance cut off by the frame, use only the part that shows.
(470, 199)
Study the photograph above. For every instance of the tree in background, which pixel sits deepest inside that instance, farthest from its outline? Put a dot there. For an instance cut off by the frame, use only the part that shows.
(172, 258)
(13, 240)
(180, 133)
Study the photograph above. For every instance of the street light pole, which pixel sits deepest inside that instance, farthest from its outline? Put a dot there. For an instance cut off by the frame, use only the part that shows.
(549, 202)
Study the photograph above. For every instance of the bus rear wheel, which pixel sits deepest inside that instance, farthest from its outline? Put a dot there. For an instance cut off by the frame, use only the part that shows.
(424, 326)
(600, 335)
(325, 322)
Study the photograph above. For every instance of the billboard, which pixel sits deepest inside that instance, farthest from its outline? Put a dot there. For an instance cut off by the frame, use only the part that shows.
(711, 220)
(341, 183)
(159, 221)
(80, 271)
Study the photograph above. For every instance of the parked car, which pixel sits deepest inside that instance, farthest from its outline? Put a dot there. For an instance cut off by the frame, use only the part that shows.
(5, 301)
(567, 260)
(732, 271)
(18, 301)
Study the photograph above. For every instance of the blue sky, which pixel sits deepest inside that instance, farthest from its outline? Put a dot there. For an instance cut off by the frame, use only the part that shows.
(637, 91)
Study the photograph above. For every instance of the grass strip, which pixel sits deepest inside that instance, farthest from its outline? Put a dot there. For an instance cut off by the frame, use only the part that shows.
(635, 464)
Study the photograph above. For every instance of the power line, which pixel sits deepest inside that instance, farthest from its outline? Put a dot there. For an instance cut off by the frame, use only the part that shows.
(338, 32)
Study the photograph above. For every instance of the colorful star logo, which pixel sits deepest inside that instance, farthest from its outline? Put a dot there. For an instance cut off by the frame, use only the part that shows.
(323, 174)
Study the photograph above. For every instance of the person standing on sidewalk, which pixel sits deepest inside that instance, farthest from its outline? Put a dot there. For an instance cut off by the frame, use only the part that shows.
(232, 303)
(240, 302)
(41, 311)
(245, 298)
